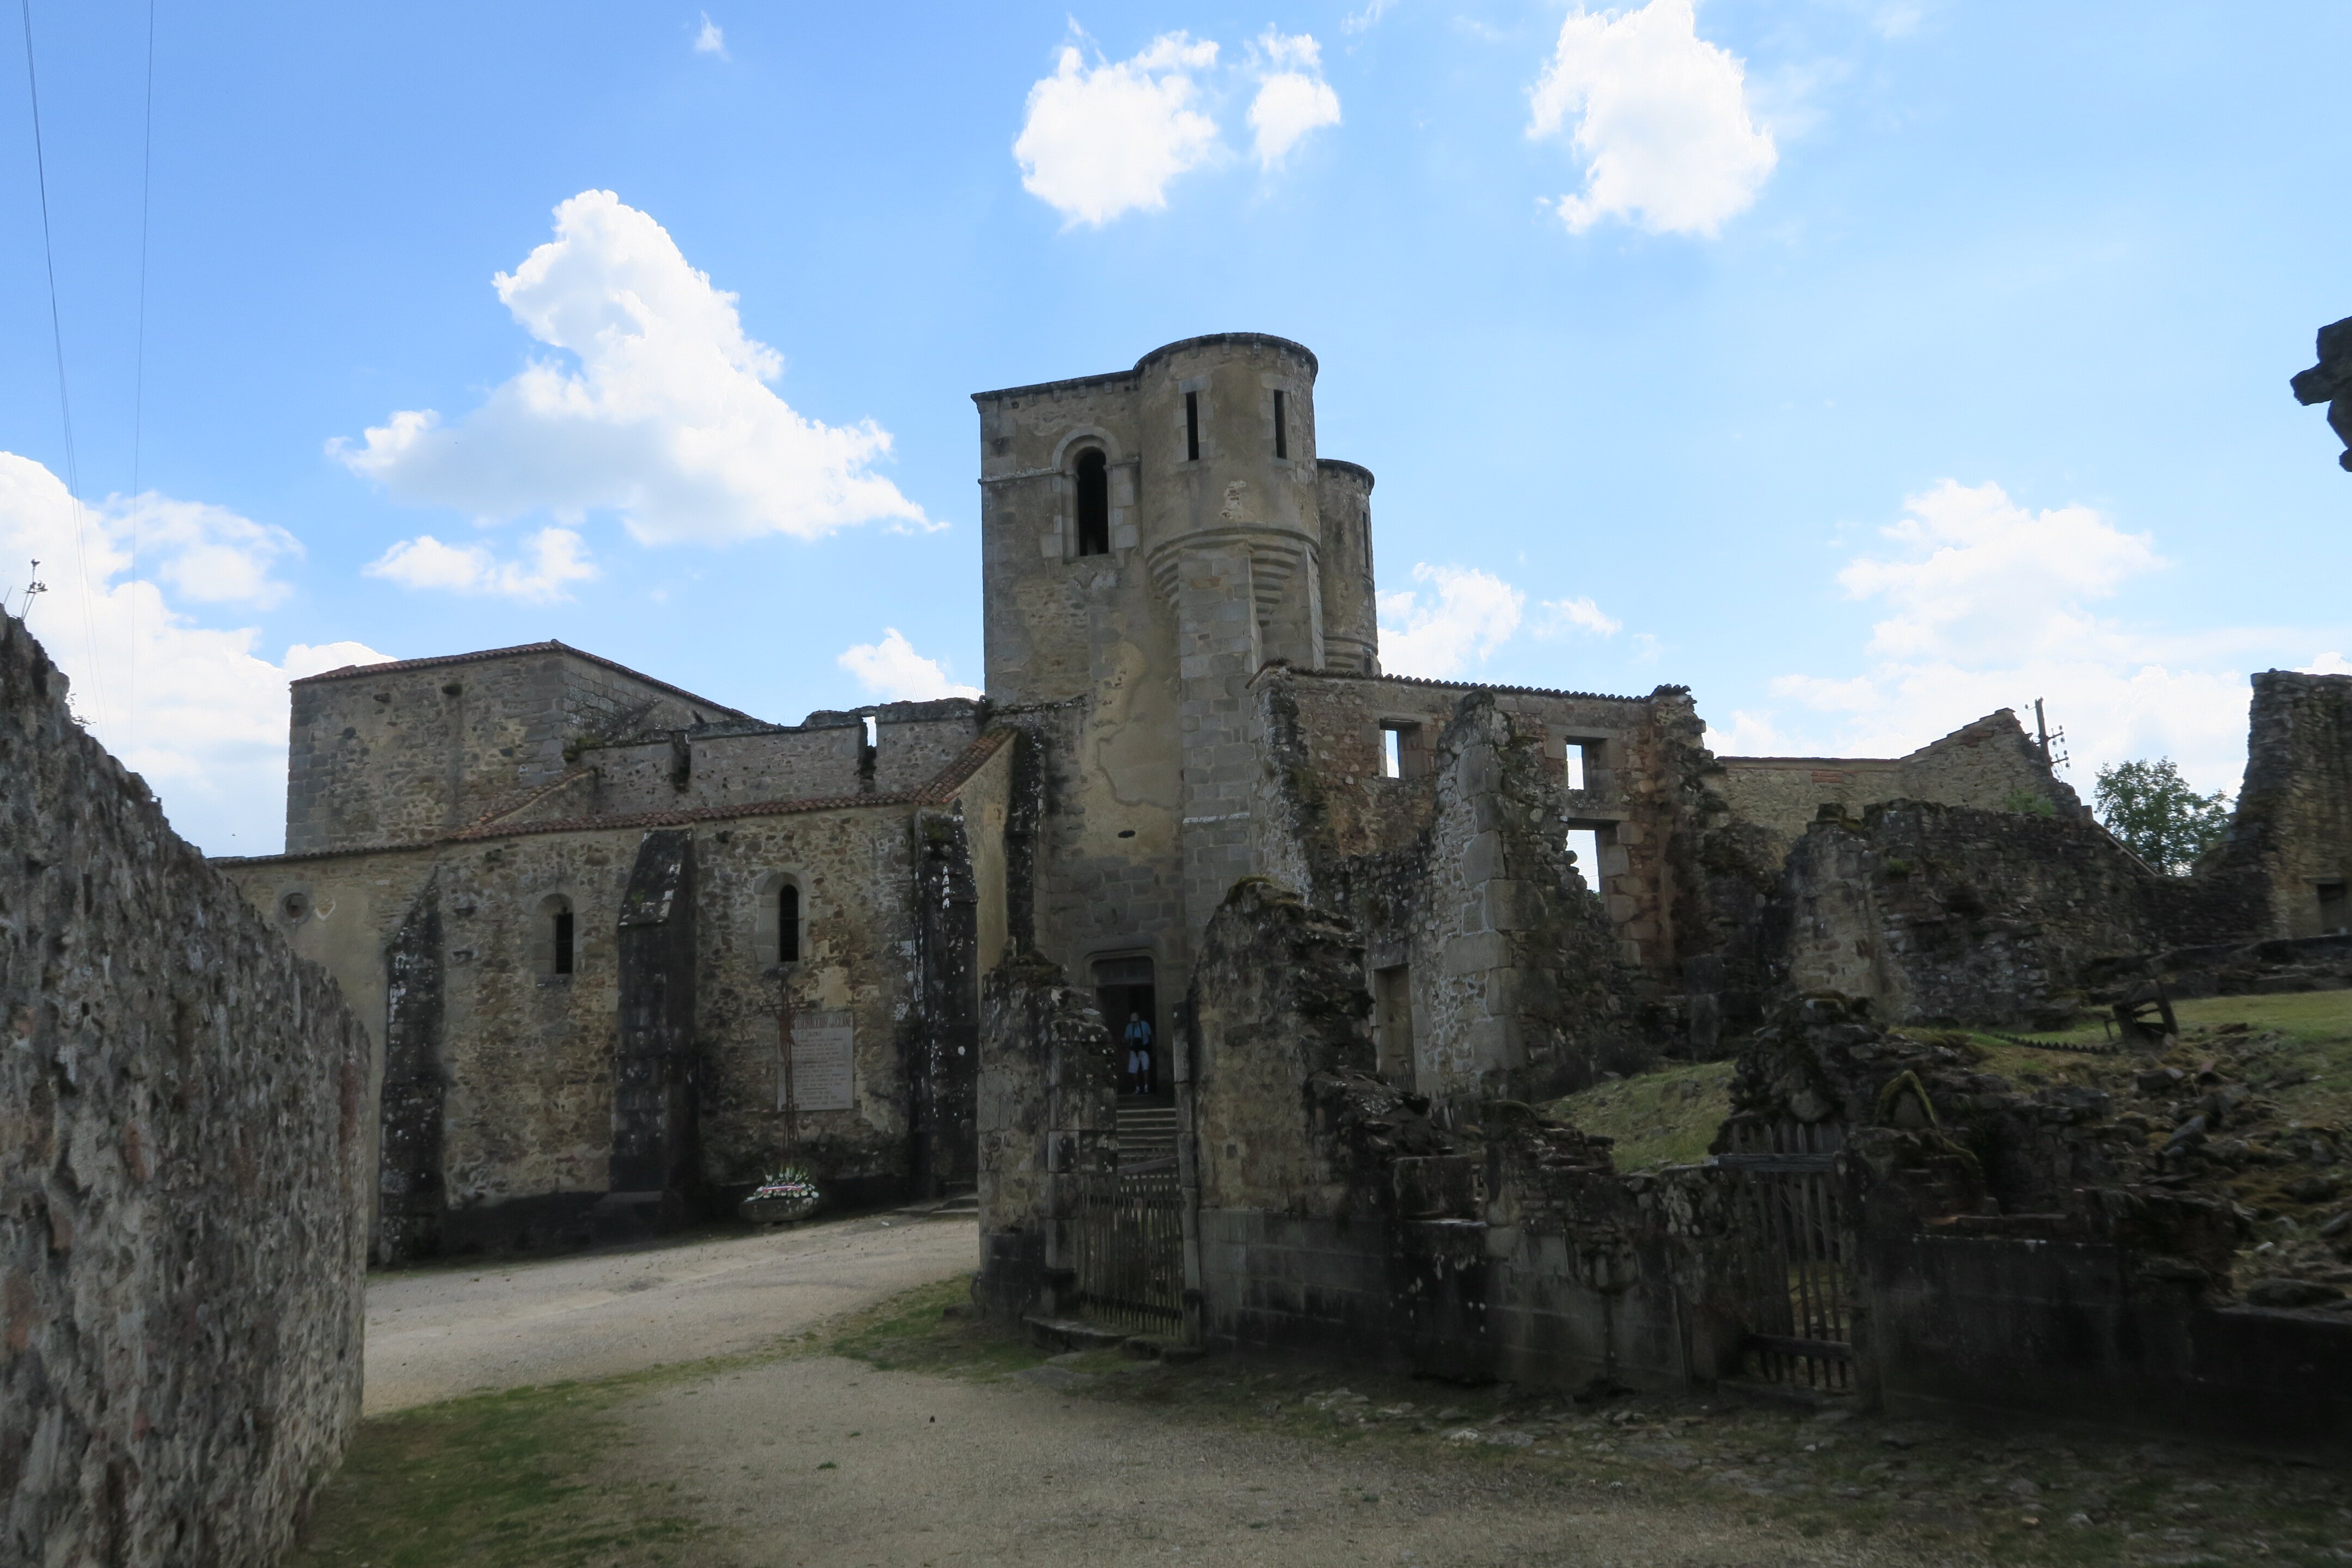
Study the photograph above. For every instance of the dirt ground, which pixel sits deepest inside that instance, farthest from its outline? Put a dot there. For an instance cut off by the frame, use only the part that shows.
(440, 1332)
(823, 1462)
(822, 1398)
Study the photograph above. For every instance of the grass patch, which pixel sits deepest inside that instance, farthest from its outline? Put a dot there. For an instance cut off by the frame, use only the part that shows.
(1665, 1117)
(503, 1480)
(929, 1329)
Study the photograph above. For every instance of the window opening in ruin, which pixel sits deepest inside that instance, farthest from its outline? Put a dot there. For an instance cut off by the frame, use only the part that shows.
(1131, 1011)
(1281, 436)
(1403, 755)
(788, 924)
(873, 733)
(1584, 847)
(1094, 503)
(557, 949)
(1579, 763)
(1192, 426)
(1393, 1023)
(2334, 908)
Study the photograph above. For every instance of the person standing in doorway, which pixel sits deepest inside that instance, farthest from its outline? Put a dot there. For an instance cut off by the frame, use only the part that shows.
(1139, 1055)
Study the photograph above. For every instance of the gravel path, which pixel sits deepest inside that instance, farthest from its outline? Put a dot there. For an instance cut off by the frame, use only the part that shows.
(432, 1333)
(930, 1470)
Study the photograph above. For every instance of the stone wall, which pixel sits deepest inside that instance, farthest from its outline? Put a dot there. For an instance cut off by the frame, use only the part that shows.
(1938, 912)
(396, 753)
(184, 1177)
(2291, 834)
(1048, 1093)
(497, 1109)
(1986, 765)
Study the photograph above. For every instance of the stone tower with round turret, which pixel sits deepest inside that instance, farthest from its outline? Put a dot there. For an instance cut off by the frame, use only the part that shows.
(1153, 537)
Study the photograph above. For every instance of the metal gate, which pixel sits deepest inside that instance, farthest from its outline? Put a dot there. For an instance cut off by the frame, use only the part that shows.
(1128, 1235)
(1802, 1326)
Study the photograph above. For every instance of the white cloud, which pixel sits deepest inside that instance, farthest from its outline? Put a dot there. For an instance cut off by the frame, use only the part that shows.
(893, 671)
(1462, 617)
(1988, 604)
(556, 555)
(667, 421)
(2327, 664)
(711, 40)
(1292, 98)
(1980, 572)
(1367, 18)
(193, 708)
(1105, 139)
(1563, 615)
(1661, 120)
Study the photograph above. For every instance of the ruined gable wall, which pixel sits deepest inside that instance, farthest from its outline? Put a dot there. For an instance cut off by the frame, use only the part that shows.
(1981, 764)
(183, 1177)
(2293, 826)
(1947, 912)
(401, 754)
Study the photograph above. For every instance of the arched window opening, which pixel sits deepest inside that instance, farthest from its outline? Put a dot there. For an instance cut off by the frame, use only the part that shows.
(1093, 502)
(558, 950)
(788, 924)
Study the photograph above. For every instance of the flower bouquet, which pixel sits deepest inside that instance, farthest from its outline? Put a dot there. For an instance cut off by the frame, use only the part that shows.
(785, 1195)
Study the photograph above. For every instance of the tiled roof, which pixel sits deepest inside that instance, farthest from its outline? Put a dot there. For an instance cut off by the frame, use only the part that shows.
(1478, 685)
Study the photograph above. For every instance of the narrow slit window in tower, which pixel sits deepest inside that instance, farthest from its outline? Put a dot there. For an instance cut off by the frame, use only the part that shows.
(1192, 426)
(788, 924)
(1396, 750)
(563, 942)
(1094, 503)
(1281, 434)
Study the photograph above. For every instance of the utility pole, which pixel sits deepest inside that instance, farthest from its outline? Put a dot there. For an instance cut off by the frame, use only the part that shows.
(35, 586)
(2047, 739)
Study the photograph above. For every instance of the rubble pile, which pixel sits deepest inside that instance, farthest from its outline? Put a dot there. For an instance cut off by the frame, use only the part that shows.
(2187, 1154)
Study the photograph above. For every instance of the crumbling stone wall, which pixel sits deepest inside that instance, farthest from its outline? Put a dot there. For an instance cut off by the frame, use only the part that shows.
(183, 1176)
(1047, 1106)
(1937, 913)
(2290, 838)
(1987, 765)
(2062, 1251)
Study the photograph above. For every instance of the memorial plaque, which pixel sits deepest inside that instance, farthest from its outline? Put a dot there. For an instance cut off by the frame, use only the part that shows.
(821, 1077)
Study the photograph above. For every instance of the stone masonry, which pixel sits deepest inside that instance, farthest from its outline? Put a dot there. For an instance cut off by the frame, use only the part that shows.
(184, 1176)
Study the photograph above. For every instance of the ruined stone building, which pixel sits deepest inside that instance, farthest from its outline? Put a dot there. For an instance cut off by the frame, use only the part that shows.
(627, 950)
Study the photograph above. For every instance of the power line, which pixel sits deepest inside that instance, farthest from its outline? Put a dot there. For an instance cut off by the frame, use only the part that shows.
(58, 342)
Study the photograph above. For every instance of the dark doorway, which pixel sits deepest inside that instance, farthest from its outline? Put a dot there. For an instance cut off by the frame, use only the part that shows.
(1131, 1011)
(2333, 907)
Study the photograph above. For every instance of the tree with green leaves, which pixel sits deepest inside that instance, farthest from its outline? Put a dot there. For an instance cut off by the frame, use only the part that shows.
(2151, 809)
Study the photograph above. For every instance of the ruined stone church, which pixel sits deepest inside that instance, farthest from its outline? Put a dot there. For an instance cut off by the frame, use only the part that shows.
(626, 950)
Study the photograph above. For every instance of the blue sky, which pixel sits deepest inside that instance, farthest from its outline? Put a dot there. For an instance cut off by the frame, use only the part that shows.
(1862, 365)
